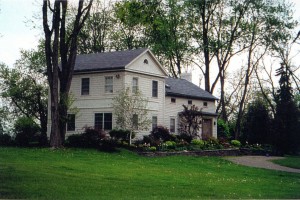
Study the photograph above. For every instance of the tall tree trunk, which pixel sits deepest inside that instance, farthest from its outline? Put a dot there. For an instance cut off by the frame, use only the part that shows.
(206, 47)
(222, 98)
(66, 46)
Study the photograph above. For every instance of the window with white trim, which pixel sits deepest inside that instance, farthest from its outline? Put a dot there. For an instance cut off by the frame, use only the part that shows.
(85, 86)
(172, 125)
(135, 121)
(154, 89)
(103, 121)
(135, 84)
(154, 122)
(109, 84)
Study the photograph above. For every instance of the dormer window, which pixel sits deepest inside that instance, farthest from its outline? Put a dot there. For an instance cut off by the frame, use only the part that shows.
(145, 61)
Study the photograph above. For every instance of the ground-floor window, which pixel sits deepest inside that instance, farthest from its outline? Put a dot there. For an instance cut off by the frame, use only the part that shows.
(71, 122)
(172, 125)
(103, 121)
(154, 122)
(135, 121)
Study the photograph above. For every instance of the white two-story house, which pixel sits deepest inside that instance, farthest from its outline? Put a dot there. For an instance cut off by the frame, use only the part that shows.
(99, 77)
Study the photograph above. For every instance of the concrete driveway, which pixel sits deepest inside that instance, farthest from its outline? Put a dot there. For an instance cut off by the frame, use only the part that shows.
(261, 162)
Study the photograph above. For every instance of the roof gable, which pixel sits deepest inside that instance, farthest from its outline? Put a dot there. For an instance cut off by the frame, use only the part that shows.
(119, 60)
(106, 61)
(146, 63)
(184, 88)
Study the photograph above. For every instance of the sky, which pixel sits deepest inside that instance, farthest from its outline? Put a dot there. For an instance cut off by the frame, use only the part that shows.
(16, 31)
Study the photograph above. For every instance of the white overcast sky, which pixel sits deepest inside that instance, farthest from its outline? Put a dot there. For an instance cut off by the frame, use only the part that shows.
(16, 34)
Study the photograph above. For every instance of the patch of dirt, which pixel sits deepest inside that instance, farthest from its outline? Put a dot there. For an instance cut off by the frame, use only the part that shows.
(261, 162)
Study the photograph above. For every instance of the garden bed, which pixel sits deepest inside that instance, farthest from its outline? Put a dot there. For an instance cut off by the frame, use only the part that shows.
(217, 152)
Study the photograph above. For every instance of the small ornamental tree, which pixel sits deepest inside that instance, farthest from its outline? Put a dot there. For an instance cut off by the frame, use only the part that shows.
(130, 111)
(190, 120)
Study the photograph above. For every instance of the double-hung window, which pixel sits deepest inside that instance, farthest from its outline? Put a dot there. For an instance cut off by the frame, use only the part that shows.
(85, 86)
(154, 88)
(135, 84)
(172, 125)
(154, 122)
(71, 122)
(109, 84)
(135, 121)
(103, 121)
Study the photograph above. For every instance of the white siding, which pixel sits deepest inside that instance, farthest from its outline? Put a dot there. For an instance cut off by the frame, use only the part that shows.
(99, 102)
(155, 104)
(151, 68)
(172, 110)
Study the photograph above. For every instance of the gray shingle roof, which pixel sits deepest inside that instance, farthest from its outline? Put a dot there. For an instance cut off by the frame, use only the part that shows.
(106, 61)
(183, 88)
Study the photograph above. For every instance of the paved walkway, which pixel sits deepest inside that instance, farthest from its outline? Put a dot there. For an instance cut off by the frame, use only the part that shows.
(261, 162)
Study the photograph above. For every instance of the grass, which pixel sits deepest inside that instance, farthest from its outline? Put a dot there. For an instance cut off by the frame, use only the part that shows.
(290, 161)
(90, 174)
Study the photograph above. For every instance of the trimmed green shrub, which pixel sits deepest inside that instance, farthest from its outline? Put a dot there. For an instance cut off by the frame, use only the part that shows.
(212, 143)
(90, 138)
(185, 137)
(170, 144)
(197, 142)
(161, 133)
(235, 143)
(152, 148)
(75, 140)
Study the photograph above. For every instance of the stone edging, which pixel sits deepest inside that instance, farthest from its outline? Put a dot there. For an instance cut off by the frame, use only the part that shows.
(218, 152)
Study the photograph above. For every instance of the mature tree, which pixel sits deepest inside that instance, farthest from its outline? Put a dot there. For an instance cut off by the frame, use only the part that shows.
(131, 111)
(256, 126)
(61, 47)
(160, 25)
(24, 88)
(167, 34)
(129, 33)
(287, 118)
(190, 121)
(96, 35)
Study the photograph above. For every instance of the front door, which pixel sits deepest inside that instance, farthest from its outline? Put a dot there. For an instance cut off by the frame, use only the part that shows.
(206, 128)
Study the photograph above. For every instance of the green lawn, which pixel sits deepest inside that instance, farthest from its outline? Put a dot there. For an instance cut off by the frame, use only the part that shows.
(89, 174)
(290, 161)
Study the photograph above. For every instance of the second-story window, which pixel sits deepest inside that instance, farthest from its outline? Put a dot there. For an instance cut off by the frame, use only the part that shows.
(205, 104)
(85, 86)
(190, 102)
(135, 85)
(109, 84)
(154, 88)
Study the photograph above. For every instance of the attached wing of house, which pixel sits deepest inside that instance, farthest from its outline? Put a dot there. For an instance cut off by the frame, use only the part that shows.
(99, 77)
